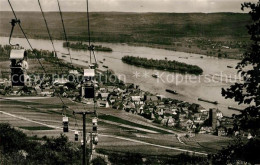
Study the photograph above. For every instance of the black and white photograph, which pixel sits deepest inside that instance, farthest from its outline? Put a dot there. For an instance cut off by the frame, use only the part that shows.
(129, 82)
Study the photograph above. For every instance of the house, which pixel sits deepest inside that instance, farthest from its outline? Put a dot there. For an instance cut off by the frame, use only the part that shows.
(151, 98)
(102, 103)
(112, 99)
(136, 98)
(15, 90)
(164, 121)
(203, 110)
(103, 96)
(110, 89)
(222, 131)
(197, 118)
(103, 90)
(60, 81)
(204, 115)
(185, 109)
(168, 113)
(160, 112)
(160, 97)
(219, 114)
(140, 109)
(193, 127)
(168, 121)
(129, 106)
(74, 72)
(46, 92)
(187, 124)
(202, 130)
(118, 105)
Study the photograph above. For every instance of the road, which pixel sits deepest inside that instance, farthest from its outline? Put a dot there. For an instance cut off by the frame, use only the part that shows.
(111, 136)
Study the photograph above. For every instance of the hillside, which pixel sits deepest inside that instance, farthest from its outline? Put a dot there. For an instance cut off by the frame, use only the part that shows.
(209, 34)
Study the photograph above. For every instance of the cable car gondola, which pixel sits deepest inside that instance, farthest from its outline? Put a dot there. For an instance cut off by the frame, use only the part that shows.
(18, 66)
(76, 138)
(65, 121)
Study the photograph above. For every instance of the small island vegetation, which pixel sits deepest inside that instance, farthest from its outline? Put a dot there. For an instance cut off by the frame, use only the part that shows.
(172, 66)
(80, 45)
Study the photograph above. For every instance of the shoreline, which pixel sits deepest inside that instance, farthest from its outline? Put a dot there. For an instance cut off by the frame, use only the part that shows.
(136, 44)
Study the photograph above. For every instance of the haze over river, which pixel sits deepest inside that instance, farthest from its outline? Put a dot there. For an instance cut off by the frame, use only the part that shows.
(216, 74)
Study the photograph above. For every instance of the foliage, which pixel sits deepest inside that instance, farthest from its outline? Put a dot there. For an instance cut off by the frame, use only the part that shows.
(120, 158)
(16, 148)
(239, 152)
(126, 159)
(99, 161)
(248, 92)
(173, 66)
(4, 52)
(80, 45)
(12, 140)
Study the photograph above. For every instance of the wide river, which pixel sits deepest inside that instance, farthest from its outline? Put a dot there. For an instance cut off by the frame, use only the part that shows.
(216, 74)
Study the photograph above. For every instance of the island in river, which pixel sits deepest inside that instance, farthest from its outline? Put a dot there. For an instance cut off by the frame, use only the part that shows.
(168, 65)
(80, 45)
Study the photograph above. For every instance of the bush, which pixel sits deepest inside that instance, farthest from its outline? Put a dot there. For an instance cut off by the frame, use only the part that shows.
(18, 148)
(99, 161)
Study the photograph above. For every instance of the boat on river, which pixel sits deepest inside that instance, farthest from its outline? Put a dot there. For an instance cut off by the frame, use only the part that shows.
(155, 75)
(171, 91)
(235, 109)
(208, 101)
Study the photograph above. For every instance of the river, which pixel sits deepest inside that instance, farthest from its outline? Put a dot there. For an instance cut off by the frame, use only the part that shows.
(207, 86)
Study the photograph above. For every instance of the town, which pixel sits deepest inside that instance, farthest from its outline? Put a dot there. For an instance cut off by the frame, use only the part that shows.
(113, 93)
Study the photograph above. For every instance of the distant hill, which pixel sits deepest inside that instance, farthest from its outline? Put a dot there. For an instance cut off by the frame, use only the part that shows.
(163, 30)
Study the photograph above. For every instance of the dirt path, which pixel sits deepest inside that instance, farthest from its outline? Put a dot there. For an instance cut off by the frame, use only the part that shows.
(112, 136)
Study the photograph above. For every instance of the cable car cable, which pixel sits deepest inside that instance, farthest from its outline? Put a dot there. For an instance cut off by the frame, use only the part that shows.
(13, 23)
(88, 32)
(26, 36)
(31, 46)
(90, 47)
(64, 30)
(48, 30)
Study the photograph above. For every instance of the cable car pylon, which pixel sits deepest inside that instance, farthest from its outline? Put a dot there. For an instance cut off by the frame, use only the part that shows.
(84, 113)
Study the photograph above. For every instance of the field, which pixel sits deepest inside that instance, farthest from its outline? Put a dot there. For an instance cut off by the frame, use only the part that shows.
(215, 34)
(42, 116)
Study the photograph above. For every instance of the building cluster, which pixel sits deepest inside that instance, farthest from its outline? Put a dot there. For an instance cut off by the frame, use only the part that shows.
(129, 97)
(166, 111)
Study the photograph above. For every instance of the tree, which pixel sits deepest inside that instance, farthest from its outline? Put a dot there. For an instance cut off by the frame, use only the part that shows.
(99, 161)
(248, 91)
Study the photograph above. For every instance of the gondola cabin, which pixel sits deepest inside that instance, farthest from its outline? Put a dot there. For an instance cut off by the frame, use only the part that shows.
(65, 121)
(18, 66)
(89, 75)
(76, 136)
(88, 90)
(94, 125)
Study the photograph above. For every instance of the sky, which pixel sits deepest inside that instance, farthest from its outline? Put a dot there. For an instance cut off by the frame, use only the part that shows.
(168, 6)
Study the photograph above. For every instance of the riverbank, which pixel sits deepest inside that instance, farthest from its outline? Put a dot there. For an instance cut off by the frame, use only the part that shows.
(209, 34)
